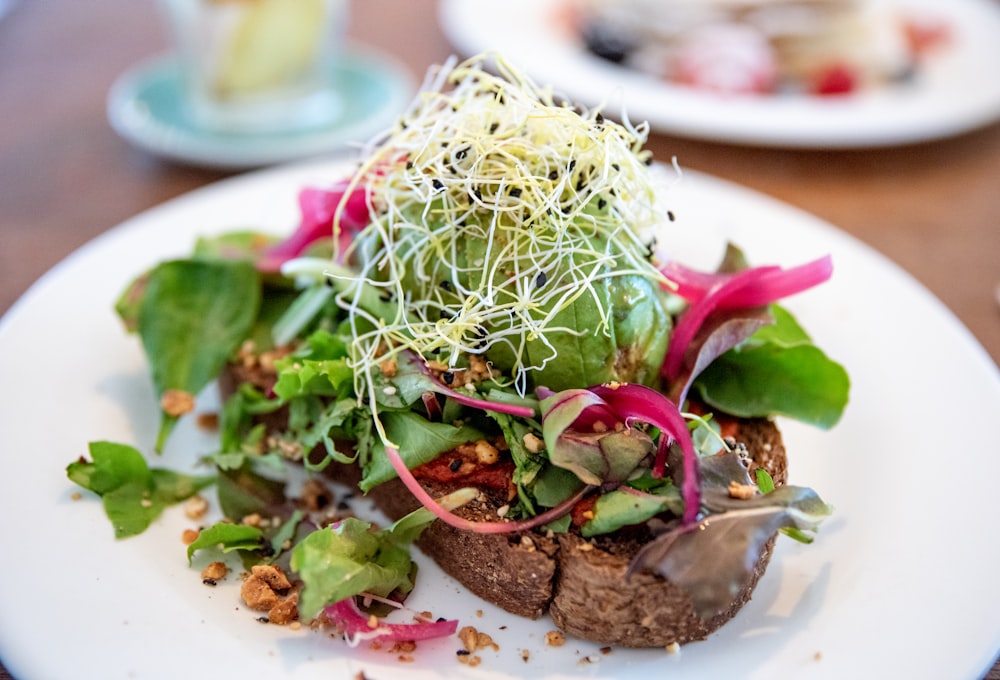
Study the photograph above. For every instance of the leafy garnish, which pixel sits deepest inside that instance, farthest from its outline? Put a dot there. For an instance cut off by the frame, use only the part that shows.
(777, 371)
(133, 494)
(423, 441)
(351, 557)
(713, 558)
(192, 316)
(227, 537)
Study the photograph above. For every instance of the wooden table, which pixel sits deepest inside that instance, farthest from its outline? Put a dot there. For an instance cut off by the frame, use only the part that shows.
(65, 176)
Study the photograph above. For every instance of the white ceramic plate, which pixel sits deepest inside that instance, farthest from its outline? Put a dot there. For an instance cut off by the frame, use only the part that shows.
(958, 91)
(146, 107)
(900, 582)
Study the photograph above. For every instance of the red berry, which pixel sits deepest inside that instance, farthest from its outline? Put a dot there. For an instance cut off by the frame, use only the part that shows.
(835, 79)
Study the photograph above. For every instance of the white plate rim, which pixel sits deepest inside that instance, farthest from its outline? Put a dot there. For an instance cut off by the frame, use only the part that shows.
(797, 623)
(958, 93)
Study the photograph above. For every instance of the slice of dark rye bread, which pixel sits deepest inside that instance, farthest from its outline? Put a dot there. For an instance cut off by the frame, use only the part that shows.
(581, 583)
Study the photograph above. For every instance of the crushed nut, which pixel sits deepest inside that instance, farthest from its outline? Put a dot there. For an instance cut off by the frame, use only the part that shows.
(285, 611)
(189, 536)
(474, 640)
(470, 660)
(555, 638)
(673, 648)
(195, 507)
(272, 575)
(176, 403)
(533, 443)
(263, 585)
(207, 421)
(388, 368)
(486, 453)
(215, 571)
(741, 491)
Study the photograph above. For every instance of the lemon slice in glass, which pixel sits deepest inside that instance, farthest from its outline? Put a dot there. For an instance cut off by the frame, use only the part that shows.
(274, 44)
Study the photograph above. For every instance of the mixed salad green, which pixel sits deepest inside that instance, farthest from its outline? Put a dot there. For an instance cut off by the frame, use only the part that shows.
(487, 274)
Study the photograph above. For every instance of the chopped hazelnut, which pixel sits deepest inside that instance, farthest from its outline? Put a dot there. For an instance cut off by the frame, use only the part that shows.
(741, 491)
(195, 507)
(486, 453)
(215, 571)
(555, 638)
(176, 403)
(285, 611)
(533, 443)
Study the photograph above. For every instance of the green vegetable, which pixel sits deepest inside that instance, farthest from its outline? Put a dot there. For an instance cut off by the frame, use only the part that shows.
(618, 508)
(351, 557)
(777, 371)
(227, 537)
(192, 316)
(133, 494)
(420, 441)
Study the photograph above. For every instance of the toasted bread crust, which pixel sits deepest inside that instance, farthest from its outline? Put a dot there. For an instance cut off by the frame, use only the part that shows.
(580, 583)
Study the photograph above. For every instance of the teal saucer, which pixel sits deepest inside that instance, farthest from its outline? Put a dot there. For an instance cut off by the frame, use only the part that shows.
(145, 106)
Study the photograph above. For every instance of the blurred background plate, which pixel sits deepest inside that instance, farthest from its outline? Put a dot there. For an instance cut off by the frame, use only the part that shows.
(145, 107)
(958, 90)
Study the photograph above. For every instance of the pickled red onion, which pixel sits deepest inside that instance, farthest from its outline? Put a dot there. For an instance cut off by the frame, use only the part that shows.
(357, 627)
(749, 288)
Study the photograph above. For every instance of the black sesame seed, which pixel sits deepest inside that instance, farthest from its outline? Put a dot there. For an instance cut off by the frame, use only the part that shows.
(463, 652)
(554, 175)
(541, 279)
(670, 215)
(494, 127)
(437, 184)
(601, 203)
(210, 582)
(448, 377)
(515, 192)
(572, 164)
(263, 619)
(455, 465)
(446, 284)
(409, 165)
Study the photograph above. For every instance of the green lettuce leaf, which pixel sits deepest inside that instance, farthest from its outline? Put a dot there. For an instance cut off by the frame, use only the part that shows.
(420, 441)
(227, 537)
(777, 372)
(133, 495)
(350, 558)
(192, 316)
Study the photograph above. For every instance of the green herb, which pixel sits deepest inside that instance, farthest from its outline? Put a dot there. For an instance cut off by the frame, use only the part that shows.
(620, 508)
(227, 537)
(777, 371)
(133, 494)
(420, 441)
(192, 316)
(351, 557)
